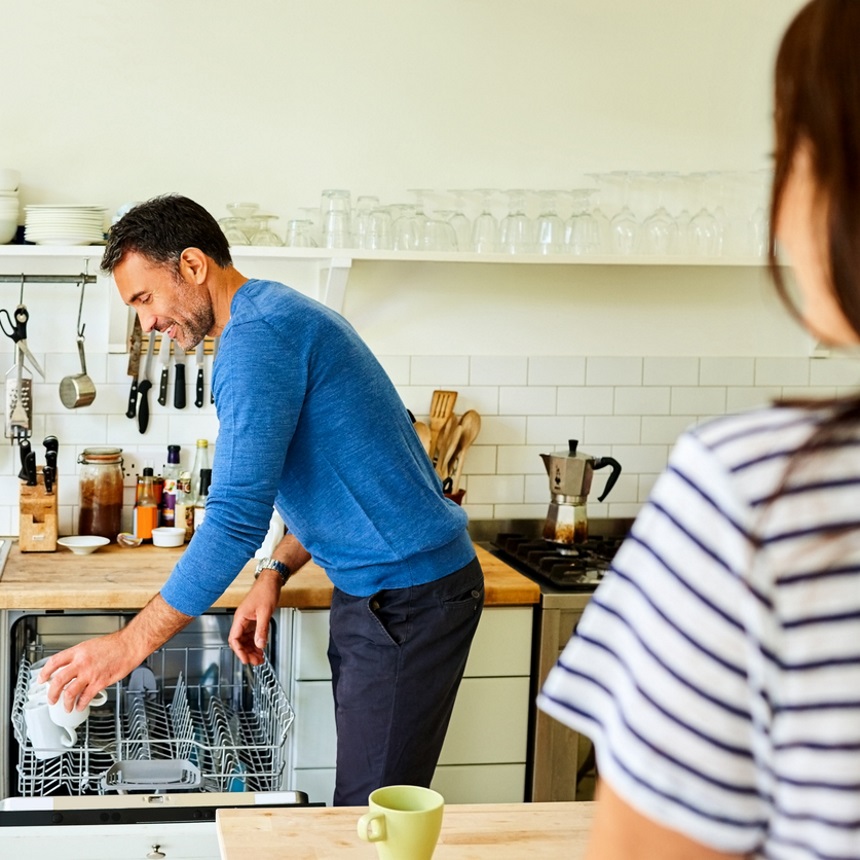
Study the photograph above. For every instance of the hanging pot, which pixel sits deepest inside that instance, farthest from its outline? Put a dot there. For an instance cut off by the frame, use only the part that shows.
(78, 390)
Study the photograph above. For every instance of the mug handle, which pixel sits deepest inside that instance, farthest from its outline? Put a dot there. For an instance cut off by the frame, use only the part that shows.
(69, 738)
(99, 699)
(371, 827)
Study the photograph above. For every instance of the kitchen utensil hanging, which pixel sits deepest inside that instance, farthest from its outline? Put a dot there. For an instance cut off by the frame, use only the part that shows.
(78, 390)
(19, 387)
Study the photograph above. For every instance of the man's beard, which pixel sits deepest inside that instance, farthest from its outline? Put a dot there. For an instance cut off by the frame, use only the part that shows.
(200, 319)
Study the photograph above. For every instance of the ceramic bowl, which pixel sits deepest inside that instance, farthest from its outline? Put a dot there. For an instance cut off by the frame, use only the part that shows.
(168, 536)
(83, 544)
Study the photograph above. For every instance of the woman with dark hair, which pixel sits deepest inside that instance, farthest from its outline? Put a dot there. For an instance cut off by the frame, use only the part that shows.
(717, 668)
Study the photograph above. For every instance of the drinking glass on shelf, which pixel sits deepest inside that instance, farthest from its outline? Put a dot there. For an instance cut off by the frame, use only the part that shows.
(336, 219)
(233, 232)
(300, 233)
(364, 205)
(623, 227)
(242, 210)
(263, 235)
(704, 233)
(485, 228)
(460, 222)
(438, 234)
(380, 232)
(659, 231)
(582, 229)
(515, 231)
(408, 228)
(549, 228)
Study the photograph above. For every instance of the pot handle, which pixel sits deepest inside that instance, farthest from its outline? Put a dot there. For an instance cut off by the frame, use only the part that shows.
(81, 354)
(600, 463)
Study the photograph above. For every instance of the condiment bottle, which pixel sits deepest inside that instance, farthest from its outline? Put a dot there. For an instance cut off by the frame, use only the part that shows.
(171, 478)
(184, 511)
(146, 510)
(101, 485)
(201, 461)
(200, 502)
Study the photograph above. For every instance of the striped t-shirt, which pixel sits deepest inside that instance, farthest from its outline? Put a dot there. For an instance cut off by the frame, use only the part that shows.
(717, 667)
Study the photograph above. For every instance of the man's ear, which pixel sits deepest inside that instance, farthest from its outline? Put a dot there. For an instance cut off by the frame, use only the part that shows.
(194, 265)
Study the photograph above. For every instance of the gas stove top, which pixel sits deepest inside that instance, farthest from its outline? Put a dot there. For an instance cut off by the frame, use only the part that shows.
(580, 567)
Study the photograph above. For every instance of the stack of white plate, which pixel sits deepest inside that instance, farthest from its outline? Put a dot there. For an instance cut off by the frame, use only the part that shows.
(9, 179)
(58, 224)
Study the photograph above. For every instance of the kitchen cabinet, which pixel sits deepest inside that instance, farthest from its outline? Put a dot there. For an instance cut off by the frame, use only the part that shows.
(484, 756)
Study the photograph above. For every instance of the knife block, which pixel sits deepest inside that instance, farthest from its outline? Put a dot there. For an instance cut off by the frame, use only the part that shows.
(38, 517)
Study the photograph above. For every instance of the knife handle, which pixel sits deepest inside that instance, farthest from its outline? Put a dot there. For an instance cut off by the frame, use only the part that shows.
(143, 408)
(24, 448)
(132, 400)
(179, 388)
(162, 387)
(198, 388)
(48, 475)
(31, 469)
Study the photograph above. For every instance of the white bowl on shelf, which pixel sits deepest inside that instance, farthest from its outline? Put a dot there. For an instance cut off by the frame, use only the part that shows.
(168, 536)
(83, 544)
(8, 229)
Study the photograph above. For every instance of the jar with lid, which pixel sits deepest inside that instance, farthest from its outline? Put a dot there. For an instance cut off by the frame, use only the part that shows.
(101, 492)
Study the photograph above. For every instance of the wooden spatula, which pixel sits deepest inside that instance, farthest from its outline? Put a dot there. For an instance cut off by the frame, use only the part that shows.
(441, 407)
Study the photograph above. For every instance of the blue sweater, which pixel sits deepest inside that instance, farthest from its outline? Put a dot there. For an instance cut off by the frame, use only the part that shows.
(310, 422)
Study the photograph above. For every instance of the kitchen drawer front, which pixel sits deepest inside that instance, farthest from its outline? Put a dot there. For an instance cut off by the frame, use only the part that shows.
(481, 783)
(478, 783)
(489, 724)
(502, 644)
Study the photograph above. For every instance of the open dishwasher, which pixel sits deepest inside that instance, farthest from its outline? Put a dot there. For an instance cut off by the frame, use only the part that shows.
(188, 732)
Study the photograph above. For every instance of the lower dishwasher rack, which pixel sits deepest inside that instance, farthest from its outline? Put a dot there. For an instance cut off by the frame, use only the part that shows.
(229, 728)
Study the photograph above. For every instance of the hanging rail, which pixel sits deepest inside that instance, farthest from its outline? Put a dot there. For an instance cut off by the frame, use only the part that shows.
(48, 279)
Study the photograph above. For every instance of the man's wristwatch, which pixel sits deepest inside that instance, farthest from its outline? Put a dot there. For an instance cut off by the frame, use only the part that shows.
(271, 564)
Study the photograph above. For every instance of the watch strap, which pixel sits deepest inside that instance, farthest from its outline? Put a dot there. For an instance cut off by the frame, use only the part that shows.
(272, 564)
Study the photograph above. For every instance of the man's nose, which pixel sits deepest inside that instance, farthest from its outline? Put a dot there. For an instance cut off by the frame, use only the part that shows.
(147, 321)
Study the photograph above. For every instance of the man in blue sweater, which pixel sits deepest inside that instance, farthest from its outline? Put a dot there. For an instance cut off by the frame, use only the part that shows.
(309, 423)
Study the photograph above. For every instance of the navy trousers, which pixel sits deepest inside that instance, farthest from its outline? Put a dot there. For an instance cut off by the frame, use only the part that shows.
(397, 658)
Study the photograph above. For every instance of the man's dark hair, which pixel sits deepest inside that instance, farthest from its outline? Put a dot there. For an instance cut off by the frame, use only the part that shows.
(160, 229)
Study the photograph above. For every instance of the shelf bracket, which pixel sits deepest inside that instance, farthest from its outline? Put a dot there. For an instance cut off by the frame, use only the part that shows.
(334, 275)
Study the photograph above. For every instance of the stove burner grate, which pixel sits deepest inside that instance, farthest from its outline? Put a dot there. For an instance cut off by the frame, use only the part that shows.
(580, 567)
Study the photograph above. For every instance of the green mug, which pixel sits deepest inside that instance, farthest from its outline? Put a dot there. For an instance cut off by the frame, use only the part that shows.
(404, 821)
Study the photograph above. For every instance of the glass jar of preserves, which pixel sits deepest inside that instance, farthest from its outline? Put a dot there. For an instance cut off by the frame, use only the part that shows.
(101, 492)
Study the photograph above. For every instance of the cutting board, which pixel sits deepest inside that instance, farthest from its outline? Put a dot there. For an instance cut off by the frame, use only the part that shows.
(495, 831)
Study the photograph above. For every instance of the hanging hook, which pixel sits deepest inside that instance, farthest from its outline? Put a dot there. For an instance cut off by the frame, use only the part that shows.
(21, 295)
(82, 285)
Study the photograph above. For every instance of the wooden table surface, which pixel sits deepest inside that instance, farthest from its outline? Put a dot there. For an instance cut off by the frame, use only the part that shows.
(118, 578)
(496, 831)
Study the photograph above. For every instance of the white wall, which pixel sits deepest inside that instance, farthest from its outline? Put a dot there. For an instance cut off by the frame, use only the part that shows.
(273, 101)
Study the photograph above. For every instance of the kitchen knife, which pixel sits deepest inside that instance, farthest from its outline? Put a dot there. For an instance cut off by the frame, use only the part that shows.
(134, 365)
(48, 475)
(144, 385)
(200, 354)
(31, 469)
(215, 344)
(24, 448)
(164, 358)
(51, 447)
(179, 379)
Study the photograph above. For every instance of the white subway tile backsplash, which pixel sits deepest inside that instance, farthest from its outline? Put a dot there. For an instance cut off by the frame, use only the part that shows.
(809, 392)
(527, 400)
(498, 370)
(556, 370)
(670, 371)
(553, 431)
(782, 371)
(440, 371)
(605, 430)
(726, 371)
(835, 371)
(613, 370)
(664, 430)
(631, 408)
(586, 400)
(703, 400)
(649, 400)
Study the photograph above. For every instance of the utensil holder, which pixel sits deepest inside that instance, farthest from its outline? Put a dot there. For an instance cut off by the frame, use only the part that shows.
(38, 518)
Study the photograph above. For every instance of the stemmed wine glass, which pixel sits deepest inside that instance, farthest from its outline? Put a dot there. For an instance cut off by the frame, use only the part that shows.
(623, 228)
(582, 229)
(485, 228)
(233, 232)
(263, 235)
(704, 235)
(659, 230)
(549, 228)
(516, 236)
(458, 220)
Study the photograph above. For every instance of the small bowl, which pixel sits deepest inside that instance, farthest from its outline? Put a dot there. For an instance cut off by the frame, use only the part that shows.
(168, 536)
(83, 544)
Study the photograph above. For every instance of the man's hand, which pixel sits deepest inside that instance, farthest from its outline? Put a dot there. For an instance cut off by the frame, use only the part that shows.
(80, 672)
(250, 630)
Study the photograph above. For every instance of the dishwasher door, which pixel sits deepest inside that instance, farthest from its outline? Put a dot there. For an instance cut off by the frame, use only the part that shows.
(191, 718)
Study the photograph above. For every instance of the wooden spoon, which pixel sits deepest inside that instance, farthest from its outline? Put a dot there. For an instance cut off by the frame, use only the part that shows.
(423, 432)
(470, 424)
(441, 408)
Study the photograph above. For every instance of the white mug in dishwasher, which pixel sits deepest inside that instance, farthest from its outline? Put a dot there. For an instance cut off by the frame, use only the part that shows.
(48, 739)
(72, 719)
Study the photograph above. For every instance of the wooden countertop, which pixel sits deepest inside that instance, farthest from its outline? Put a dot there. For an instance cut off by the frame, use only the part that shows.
(496, 831)
(119, 578)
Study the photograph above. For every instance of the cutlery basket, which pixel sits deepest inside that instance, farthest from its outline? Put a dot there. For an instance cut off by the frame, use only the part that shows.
(230, 725)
